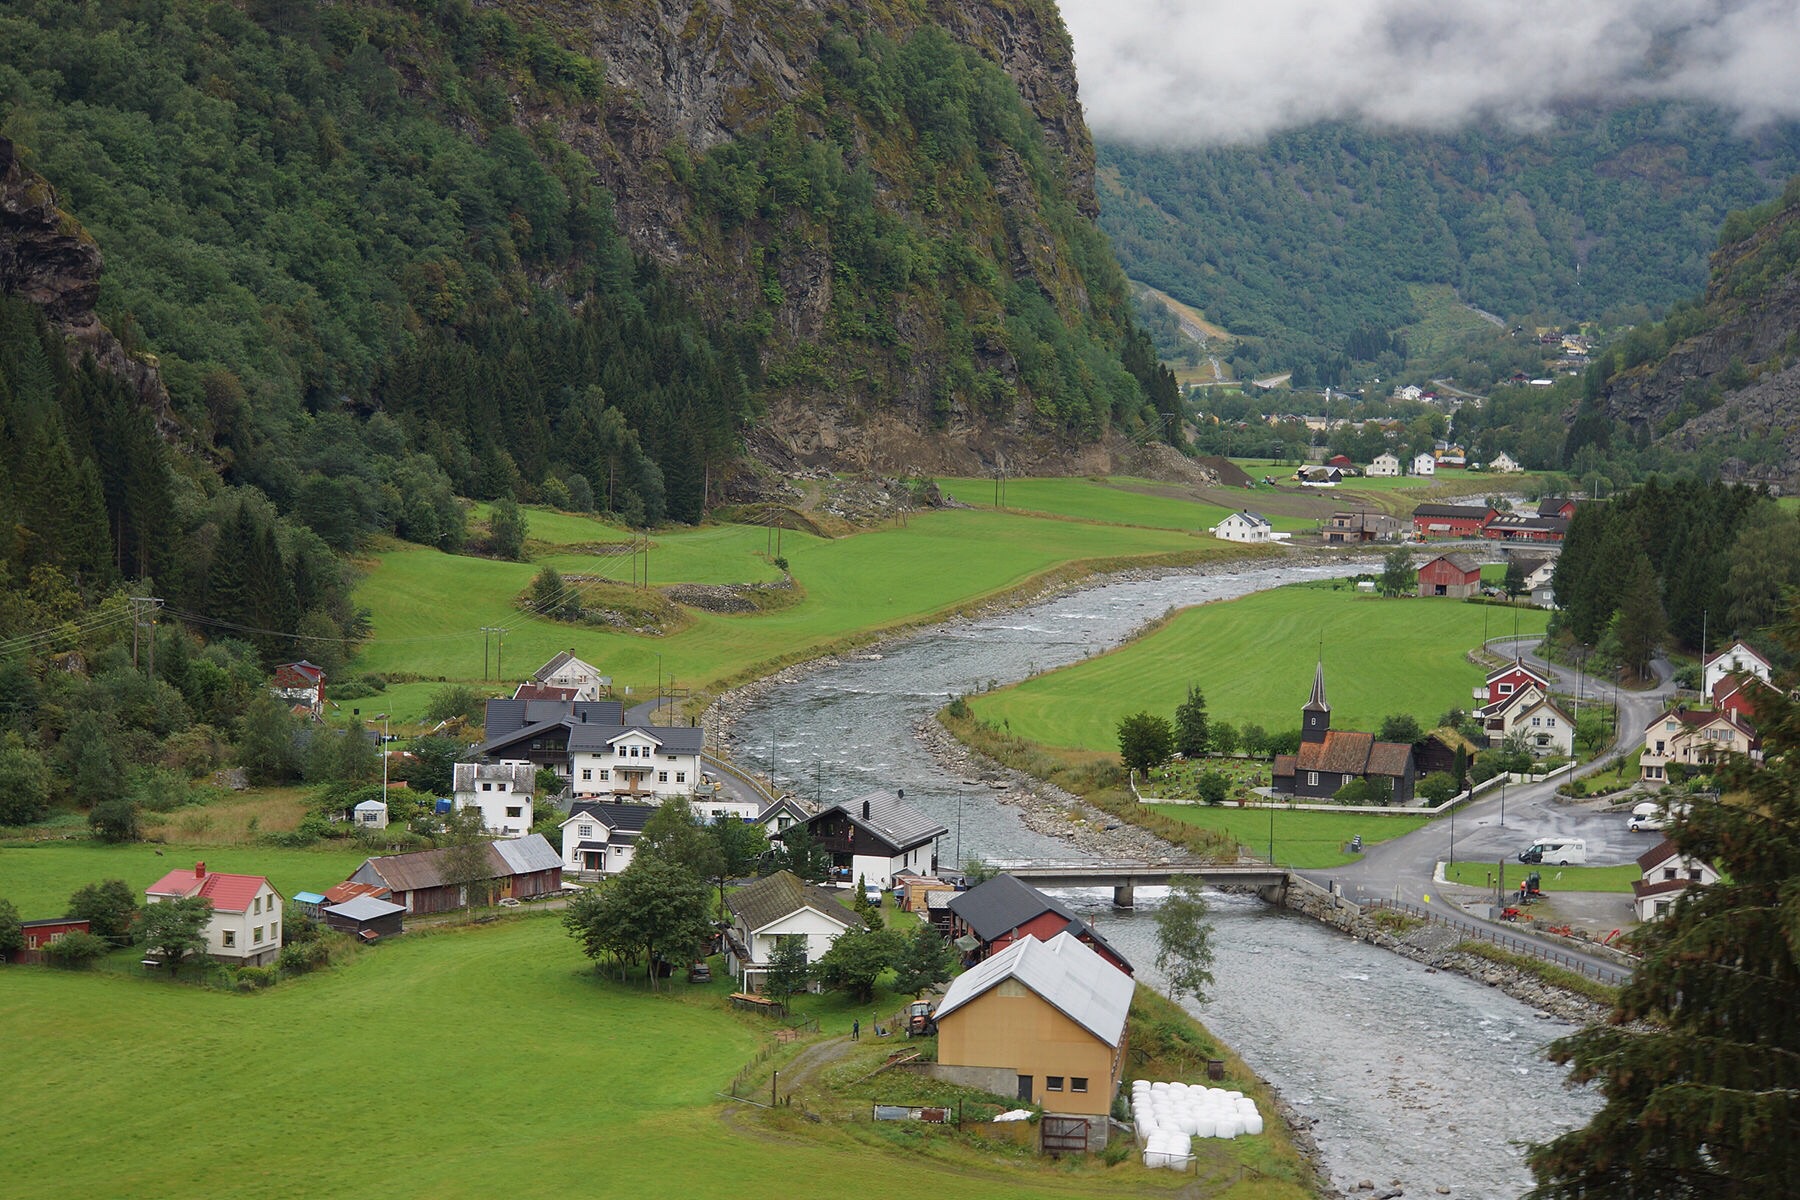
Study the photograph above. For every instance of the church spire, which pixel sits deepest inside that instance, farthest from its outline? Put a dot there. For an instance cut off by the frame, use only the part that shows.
(1315, 717)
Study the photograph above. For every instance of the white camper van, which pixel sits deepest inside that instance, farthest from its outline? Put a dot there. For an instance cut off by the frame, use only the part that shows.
(1559, 852)
(1646, 814)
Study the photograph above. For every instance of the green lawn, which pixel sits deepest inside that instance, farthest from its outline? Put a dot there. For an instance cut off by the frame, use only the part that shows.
(1119, 500)
(38, 879)
(1551, 879)
(1308, 840)
(470, 1063)
(1253, 658)
(428, 608)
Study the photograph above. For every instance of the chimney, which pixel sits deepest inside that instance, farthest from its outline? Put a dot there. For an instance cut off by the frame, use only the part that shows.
(199, 870)
(865, 810)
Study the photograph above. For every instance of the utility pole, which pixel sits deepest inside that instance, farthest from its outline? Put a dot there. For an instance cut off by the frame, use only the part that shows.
(487, 631)
(143, 616)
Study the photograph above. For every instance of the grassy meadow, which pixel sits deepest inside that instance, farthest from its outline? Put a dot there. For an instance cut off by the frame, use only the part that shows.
(1307, 840)
(39, 878)
(1119, 500)
(428, 608)
(1253, 659)
(473, 1061)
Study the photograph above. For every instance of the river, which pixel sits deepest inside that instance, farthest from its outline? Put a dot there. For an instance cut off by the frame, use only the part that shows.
(1420, 1076)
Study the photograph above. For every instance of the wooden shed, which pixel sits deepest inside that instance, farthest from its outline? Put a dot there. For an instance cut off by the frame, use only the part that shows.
(366, 917)
(1454, 575)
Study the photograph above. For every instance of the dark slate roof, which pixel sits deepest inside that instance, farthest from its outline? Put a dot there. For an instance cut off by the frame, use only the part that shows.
(620, 818)
(782, 894)
(890, 818)
(1004, 903)
(1464, 511)
(1657, 855)
(562, 659)
(505, 717)
(675, 739)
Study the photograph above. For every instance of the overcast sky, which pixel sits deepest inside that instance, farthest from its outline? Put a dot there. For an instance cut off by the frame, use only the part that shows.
(1195, 72)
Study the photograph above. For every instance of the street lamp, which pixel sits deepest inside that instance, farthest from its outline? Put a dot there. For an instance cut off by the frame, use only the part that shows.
(658, 707)
(1271, 801)
(384, 756)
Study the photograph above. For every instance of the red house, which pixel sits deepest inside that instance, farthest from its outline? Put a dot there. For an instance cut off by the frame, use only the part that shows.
(1003, 910)
(1455, 575)
(301, 683)
(1451, 520)
(1512, 679)
(39, 934)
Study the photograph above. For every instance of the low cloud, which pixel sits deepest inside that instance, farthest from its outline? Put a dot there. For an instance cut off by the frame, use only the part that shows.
(1203, 72)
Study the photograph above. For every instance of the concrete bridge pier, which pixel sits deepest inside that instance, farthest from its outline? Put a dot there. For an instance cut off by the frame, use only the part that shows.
(1125, 896)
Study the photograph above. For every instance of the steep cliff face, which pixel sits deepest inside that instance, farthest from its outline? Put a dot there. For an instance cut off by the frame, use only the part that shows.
(47, 258)
(1728, 367)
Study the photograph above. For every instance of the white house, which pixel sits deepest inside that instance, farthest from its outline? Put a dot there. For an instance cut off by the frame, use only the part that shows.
(1424, 463)
(1666, 874)
(566, 671)
(1409, 392)
(501, 790)
(245, 927)
(638, 762)
(1735, 659)
(876, 837)
(772, 910)
(371, 814)
(1384, 464)
(1244, 526)
(1547, 728)
(599, 837)
(1505, 463)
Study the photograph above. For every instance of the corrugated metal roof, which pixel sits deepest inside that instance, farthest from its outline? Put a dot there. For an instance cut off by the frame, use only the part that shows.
(528, 854)
(1067, 975)
(365, 908)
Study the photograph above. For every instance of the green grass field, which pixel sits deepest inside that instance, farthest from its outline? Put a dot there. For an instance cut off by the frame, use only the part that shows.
(1444, 323)
(38, 879)
(467, 1063)
(1119, 500)
(1308, 840)
(1552, 879)
(1253, 658)
(428, 608)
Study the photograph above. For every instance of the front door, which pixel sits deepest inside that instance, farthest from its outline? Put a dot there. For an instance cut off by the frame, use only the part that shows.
(1025, 1087)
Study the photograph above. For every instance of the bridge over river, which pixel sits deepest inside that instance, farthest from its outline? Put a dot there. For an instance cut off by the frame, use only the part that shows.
(1124, 877)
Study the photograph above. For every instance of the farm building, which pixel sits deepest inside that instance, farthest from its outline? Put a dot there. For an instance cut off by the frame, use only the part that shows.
(875, 837)
(516, 868)
(1454, 575)
(1450, 520)
(365, 917)
(43, 933)
(781, 906)
(1383, 465)
(1002, 910)
(1044, 1021)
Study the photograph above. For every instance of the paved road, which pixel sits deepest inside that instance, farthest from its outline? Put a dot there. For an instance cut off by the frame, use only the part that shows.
(1499, 825)
(647, 713)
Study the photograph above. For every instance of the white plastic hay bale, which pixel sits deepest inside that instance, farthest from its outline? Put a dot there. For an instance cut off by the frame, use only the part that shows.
(1205, 1126)
(1229, 1127)
(1253, 1124)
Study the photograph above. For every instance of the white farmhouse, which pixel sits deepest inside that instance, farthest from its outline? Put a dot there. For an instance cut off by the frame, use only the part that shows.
(501, 790)
(1244, 526)
(1385, 464)
(1736, 659)
(1666, 874)
(641, 763)
(599, 837)
(1505, 463)
(571, 677)
(775, 909)
(1424, 463)
(245, 927)
(875, 837)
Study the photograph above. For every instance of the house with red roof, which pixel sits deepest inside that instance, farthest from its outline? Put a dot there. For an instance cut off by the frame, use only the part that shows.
(245, 928)
(1695, 738)
(302, 685)
(1666, 874)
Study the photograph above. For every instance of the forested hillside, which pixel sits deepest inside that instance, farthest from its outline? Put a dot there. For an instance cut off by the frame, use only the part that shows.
(1305, 244)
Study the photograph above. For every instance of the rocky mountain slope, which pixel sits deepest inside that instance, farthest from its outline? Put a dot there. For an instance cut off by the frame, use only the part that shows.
(1725, 368)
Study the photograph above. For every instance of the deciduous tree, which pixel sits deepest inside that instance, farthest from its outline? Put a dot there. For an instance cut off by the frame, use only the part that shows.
(1184, 942)
(175, 929)
(856, 960)
(1145, 741)
(1397, 576)
(12, 936)
(789, 972)
(655, 910)
(109, 908)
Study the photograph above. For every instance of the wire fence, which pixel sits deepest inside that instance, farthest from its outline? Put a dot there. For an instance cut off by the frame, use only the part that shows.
(1529, 947)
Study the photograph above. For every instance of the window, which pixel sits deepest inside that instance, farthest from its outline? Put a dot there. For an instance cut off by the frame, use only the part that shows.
(515, 810)
(1078, 1083)
(662, 777)
(1312, 778)
(256, 905)
(487, 787)
(681, 777)
(1668, 873)
(586, 831)
(502, 787)
(230, 938)
(256, 935)
(1053, 1083)
(1535, 722)
(1505, 689)
(275, 931)
(605, 775)
(1694, 874)
(587, 773)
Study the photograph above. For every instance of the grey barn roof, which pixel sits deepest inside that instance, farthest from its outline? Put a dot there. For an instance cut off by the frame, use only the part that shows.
(425, 868)
(1066, 974)
(528, 854)
(890, 818)
(1003, 903)
(781, 894)
(365, 908)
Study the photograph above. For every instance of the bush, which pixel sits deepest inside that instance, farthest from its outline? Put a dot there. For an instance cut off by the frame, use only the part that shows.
(250, 979)
(297, 958)
(115, 820)
(76, 951)
(958, 708)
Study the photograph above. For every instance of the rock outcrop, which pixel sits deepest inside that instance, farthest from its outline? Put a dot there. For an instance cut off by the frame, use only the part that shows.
(48, 259)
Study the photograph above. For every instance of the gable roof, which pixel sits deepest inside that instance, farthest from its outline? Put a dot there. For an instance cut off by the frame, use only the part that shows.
(1347, 752)
(425, 868)
(782, 894)
(544, 691)
(1466, 512)
(1462, 562)
(1515, 666)
(624, 819)
(228, 893)
(365, 908)
(1657, 855)
(888, 817)
(528, 854)
(1737, 649)
(1245, 515)
(1065, 974)
(1004, 903)
(350, 889)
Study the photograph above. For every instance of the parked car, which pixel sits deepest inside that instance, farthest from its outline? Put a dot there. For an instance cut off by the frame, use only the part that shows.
(1646, 815)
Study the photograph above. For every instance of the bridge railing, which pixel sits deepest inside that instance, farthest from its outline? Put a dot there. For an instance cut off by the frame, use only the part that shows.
(1506, 941)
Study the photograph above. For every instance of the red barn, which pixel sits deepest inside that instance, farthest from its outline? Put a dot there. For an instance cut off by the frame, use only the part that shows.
(1451, 520)
(39, 934)
(1004, 910)
(1455, 575)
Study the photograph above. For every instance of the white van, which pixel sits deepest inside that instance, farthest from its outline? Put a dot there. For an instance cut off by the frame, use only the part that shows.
(1646, 814)
(1559, 852)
